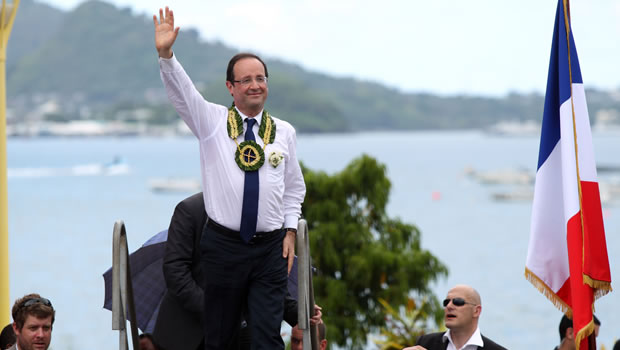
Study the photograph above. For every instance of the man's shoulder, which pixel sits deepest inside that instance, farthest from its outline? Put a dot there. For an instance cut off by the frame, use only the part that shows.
(430, 339)
(193, 200)
(491, 345)
(14, 347)
(193, 205)
(283, 125)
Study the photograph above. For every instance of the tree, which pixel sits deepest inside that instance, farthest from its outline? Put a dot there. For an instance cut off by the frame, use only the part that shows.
(404, 326)
(360, 253)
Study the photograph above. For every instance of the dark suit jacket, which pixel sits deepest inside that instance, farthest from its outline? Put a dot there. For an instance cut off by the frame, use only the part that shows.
(179, 324)
(434, 341)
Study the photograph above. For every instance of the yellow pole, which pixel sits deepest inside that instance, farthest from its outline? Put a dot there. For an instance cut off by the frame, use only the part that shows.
(7, 16)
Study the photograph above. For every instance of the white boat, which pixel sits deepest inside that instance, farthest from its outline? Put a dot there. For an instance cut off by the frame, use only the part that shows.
(117, 166)
(172, 184)
(515, 128)
(609, 193)
(522, 194)
(503, 176)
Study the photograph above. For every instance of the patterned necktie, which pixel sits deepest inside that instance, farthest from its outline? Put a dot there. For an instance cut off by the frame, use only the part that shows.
(249, 210)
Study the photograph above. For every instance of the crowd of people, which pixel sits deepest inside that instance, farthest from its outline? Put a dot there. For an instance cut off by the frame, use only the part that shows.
(33, 320)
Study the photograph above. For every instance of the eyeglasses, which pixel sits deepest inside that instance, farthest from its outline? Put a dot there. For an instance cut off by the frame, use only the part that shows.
(260, 80)
(33, 301)
(456, 302)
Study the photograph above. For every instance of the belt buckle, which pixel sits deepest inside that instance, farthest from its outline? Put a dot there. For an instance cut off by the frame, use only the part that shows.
(253, 239)
(259, 236)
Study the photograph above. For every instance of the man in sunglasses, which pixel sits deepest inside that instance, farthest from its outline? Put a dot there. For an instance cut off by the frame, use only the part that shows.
(33, 317)
(462, 308)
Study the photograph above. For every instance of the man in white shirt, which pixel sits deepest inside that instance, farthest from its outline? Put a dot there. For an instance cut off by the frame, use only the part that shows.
(253, 189)
(33, 318)
(462, 308)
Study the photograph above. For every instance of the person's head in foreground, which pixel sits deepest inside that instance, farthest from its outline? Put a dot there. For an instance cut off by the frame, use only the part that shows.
(33, 317)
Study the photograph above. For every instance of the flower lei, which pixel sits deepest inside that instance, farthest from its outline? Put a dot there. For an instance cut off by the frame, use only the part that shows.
(249, 155)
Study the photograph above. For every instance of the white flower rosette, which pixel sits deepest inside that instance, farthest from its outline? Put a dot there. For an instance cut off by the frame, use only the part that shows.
(275, 158)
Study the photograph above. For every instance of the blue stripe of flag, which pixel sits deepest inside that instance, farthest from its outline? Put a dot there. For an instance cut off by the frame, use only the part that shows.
(558, 85)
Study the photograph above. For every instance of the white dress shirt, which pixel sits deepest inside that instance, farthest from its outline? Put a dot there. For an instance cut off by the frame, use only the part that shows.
(472, 343)
(281, 189)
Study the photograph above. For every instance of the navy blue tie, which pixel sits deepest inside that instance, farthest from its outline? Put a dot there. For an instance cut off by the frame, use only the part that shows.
(249, 210)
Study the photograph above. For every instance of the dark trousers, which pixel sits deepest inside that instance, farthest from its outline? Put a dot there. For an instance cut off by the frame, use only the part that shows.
(237, 275)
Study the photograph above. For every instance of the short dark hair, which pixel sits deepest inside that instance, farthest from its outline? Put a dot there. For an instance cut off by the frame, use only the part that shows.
(565, 324)
(230, 75)
(7, 337)
(146, 335)
(617, 345)
(41, 308)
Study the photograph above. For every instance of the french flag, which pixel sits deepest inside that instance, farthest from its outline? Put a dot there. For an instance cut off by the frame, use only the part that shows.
(567, 254)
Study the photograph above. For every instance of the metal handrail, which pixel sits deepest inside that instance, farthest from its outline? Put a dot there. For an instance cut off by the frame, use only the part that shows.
(122, 289)
(305, 290)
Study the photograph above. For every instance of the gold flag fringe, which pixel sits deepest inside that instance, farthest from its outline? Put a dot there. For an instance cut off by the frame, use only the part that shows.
(601, 288)
(547, 292)
(584, 333)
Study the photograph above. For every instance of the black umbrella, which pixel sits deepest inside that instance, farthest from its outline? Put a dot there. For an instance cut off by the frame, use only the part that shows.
(149, 286)
(147, 279)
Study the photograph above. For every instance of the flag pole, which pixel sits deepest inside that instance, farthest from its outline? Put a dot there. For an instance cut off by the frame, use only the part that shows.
(578, 336)
(7, 17)
(591, 336)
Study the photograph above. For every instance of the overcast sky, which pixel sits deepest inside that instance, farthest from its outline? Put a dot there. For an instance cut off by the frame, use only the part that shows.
(488, 47)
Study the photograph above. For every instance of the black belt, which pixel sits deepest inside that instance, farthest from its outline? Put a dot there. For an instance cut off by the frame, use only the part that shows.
(259, 236)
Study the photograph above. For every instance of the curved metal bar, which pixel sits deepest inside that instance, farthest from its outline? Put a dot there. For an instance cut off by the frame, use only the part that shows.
(305, 291)
(122, 289)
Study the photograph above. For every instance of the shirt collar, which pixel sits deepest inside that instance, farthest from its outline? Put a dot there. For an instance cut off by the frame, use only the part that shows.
(475, 339)
(256, 117)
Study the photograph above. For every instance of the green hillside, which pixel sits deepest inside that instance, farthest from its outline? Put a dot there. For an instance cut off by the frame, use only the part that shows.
(102, 57)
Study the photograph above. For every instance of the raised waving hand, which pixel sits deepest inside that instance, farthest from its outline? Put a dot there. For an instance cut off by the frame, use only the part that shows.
(165, 32)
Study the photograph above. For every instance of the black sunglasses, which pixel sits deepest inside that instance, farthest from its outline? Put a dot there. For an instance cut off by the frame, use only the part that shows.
(456, 302)
(33, 301)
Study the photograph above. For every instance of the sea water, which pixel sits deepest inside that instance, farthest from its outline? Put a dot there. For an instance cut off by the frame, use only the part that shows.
(63, 205)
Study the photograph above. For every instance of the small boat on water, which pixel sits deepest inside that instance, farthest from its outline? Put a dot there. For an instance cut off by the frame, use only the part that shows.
(515, 128)
(504, 176)
(609, 193)
(118, 166)
(173, 184)
(521, 194)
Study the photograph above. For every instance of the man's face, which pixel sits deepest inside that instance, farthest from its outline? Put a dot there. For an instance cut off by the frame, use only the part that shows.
(36, 334)
(461, 317)
(596, 328)
(146, 344)
(297, 339)
(249, 98)
(569, 340)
